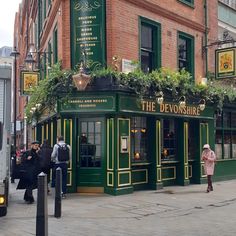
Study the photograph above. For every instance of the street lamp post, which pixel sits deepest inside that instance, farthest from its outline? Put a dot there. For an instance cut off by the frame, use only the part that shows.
(15, 54)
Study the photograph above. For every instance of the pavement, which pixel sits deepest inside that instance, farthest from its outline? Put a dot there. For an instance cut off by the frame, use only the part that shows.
(175, 210)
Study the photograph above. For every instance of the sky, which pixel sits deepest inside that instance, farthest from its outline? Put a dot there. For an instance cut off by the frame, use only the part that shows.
(8, 8)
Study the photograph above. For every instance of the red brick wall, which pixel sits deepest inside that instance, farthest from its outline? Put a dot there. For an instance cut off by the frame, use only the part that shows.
(174, 16)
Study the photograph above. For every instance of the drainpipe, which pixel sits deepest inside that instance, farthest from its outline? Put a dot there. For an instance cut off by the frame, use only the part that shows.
(39, 31)
(205, 38)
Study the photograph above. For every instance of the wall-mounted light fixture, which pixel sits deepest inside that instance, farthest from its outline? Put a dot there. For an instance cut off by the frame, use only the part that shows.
(182, 101)
(202, 104)
(82, 78)
(160, 97)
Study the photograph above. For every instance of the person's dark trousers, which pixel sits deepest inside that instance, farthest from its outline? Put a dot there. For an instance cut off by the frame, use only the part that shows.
(28, 196)
(209, 181)
(63, 167)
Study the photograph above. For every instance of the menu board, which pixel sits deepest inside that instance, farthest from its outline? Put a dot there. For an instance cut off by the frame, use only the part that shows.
(88, 32)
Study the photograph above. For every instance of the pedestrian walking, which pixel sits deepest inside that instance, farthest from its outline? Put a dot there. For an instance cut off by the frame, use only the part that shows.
(209, 158)
(30, 170)
(60, 156)
(45, 153)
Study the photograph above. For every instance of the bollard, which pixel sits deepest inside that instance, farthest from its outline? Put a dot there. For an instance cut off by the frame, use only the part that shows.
(57, 209)
(42, 206)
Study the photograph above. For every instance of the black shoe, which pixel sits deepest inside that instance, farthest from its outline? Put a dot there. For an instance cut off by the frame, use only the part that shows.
(63, 195)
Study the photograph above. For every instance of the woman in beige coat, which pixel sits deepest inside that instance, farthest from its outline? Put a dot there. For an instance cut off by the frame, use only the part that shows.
(209, 158)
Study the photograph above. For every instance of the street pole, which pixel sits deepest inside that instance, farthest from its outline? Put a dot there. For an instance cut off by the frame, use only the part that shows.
(15, 54)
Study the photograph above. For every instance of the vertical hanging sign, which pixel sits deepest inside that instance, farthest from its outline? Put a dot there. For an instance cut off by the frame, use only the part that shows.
(88, 32)
(226, 63)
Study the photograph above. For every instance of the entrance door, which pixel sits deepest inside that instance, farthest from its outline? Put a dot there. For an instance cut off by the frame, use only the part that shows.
(90, 154)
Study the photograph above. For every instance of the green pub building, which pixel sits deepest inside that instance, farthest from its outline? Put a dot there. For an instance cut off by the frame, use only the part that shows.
(120, 141)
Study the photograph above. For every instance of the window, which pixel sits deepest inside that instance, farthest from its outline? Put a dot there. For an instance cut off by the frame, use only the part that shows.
(186, 52)
(168, 139)
(91, 144)
(187, 2)
(55, 46)
(139, 139)
(150, 45)
(225, 141)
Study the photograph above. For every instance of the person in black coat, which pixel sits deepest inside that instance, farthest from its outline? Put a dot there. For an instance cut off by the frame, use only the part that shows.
(45, 158)
(30, 171)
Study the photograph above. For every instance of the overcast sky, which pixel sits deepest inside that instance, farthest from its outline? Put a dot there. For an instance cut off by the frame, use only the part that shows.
(8, 8)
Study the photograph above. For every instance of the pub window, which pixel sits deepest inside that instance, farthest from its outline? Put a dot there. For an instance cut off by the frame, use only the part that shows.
(186, 52)
(168, 140)
(139, 139)
(150, 45)
(225, 142)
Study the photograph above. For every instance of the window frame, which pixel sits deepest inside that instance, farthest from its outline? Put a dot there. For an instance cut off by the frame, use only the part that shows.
(156, 47)
(189, 3)
(133, 140)
(190, 51)
(225, 130)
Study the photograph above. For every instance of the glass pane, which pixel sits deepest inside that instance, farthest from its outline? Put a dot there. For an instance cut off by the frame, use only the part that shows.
(97, 138)
(98, 127)
(169, 139)
(191, 142)
(226, 119)
(233, 120)
(138, 139)
(90, 127)
(234, 144)
(227, 141)
(218, 120)
(91, 138)
(146, 37)
(146, 61)
(182, 48)
(90, 144)
(98, 150)
(218, 144)
(84, 127)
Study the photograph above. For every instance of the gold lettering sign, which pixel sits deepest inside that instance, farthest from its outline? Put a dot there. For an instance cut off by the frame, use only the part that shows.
(225, 62)
(29, 81)
(150, 106)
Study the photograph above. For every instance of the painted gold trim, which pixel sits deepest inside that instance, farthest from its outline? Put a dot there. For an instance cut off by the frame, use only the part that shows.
(70, 178)
(143, 182)
(186, 173)
(159, 175)
(71, 144)
(203, 175)
(190, 173)
(158, 143)
(112, 178)
(42, 132)
(118, 149)
(52, 134)
(108, 144)
(124, 172)
(171, 167)
(64, 128)
(46, 130)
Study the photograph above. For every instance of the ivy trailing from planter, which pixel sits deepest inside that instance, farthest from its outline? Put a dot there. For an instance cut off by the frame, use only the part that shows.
(59, 82)
(173, 84)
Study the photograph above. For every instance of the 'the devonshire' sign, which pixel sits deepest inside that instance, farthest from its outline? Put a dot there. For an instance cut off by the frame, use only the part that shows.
(151, 106)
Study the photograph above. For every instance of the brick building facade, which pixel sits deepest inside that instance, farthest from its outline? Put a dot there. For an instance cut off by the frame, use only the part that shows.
(156, 34)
